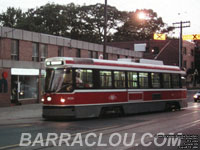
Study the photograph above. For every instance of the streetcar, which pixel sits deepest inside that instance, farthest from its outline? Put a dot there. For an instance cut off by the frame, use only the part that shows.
(84, 87)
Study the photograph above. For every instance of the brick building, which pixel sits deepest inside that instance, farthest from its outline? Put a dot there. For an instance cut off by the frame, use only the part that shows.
(22, 54)
(167, 51)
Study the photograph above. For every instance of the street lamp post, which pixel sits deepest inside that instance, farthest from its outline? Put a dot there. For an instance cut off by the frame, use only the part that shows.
(105, 30)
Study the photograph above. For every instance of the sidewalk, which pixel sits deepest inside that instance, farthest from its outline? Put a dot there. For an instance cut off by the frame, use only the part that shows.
(20, 112)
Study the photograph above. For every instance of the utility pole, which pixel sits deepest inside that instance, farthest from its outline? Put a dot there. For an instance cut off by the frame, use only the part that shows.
(181, 25)
(105, 30)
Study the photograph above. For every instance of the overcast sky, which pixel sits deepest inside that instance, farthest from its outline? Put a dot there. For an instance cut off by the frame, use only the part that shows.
(170, 10)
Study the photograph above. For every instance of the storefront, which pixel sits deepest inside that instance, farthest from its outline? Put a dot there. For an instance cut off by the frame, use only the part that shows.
(24, 84)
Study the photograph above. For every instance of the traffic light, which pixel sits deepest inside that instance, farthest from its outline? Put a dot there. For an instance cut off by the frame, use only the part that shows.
(157, 36)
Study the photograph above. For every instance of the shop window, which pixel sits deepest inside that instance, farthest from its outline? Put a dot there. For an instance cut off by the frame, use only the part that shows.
(155, 80)
(166, 81)
(143, 80)
(44, 52)
(24, 87)
(132, 80)
(105, 79)
(84, 78)
(35, 52)
(14, 49)
(119, 79)
(60, 51)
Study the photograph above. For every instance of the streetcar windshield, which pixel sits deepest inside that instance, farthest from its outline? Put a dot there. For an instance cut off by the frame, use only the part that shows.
(58, 80)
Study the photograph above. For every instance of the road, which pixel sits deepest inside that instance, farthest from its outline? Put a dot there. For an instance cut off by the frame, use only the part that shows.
(134, 132)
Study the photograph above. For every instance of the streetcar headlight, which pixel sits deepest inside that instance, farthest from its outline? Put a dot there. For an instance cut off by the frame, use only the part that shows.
(42, 99)
(62, 100)
(49, 99)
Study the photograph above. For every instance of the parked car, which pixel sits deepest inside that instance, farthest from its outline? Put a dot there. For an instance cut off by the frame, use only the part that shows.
(196, 97)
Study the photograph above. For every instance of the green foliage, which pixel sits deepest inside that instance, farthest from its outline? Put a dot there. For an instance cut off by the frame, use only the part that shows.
(85, 22)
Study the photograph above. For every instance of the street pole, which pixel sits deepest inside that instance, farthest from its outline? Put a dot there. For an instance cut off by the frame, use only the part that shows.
(105, 30)
(181, 23)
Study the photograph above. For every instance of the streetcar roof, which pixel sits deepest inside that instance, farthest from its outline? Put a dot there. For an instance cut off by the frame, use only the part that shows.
(112, 64)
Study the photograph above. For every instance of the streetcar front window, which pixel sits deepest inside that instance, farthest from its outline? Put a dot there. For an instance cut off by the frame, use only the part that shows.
(58, 80)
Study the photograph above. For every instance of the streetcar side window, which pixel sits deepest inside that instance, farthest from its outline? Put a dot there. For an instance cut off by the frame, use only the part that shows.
(155, 80)
(119, 79)
(176, 80)
(105, 79)
(166, 80)
(132, 80)
(143, 80)
(84, 78)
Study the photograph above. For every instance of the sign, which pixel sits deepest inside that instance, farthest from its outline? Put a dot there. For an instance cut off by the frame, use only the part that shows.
(159, 36)
(191, 37)
(140, 47)
(20, 71)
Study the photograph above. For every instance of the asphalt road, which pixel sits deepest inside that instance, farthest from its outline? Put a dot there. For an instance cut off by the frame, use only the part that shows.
(134, 132)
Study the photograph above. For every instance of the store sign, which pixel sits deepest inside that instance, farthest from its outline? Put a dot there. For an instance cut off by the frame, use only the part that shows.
(20, 71)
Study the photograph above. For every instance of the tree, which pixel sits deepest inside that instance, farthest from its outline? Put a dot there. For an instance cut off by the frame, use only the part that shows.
(11, 17)
(91, 19)
(135, 29)
(85, 22)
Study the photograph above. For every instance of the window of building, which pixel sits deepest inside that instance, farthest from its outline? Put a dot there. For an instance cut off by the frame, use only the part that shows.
(44, 52)
(119, 79)
(166, 81)
(105, 79)
(143, 80)
(60, 51)
(90, 54)
(106, 56)
(78, 53)
(192, 65)
(35, 52)
(155, 80)
(132, 80)
(14, 49)
(175, 80)
(95, 55)
(185, 51)
(192, 52)
(185, 64)
(84, 78)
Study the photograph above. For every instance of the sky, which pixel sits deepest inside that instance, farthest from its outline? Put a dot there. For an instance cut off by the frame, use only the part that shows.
(171, 11)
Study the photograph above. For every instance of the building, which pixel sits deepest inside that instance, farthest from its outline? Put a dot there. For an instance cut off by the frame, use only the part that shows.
(22, 54)
(167, 51)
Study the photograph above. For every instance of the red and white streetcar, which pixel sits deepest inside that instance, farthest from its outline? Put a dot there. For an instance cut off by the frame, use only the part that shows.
(83, 87)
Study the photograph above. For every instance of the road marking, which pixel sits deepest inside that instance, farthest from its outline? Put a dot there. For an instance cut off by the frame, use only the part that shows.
(9, 146)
